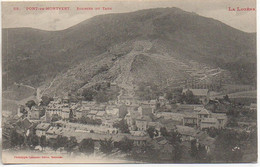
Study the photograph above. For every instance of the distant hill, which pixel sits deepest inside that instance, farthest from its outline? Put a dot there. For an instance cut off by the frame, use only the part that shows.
(151, 45)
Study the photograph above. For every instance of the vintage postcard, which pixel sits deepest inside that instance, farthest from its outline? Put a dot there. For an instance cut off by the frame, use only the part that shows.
(129, 81)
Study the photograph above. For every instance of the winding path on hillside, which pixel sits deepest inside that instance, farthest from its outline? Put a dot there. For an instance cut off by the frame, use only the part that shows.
(41, 93)
(125, 79)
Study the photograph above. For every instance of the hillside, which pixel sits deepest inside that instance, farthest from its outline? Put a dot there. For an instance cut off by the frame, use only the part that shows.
(156, 45)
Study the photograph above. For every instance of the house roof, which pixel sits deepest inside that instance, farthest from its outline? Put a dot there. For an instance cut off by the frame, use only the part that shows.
(138, 133)
(65, 109)
(93, 112)
(144, 118)
(84, 108)
(125, 97)
(201, 135)
(253, 105)
(145, 102)
(75, 106)
(101, 113)
(27, 109)
(185, 130)
(209, 120)
(189, 107)
(191, 115)
(99, 108)
(161, 140)
(16, 118)
(164, 121)
(55, 130)
(198, 108)
(132, 108)
(135, 114)
(55, 106)
(24, 124)
(207, 141)
(161, 98)
(66, 98)
(197, 92)
(87, 103)
(42, 126)
(155, 124)
(204, 111)
(219, 115)
(36, 108)
(153, 101)
(169, 124)
(171, 115)
(146, 106)
(111, 107)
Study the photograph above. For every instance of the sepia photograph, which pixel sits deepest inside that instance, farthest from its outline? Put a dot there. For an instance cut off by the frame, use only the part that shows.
(129, 82)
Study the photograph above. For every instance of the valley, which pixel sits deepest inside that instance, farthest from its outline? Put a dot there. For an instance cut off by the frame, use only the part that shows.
(158, 85)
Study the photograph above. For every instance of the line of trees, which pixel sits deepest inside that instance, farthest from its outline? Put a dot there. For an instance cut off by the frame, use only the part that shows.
(230, 146)
(87, 120)
(122, 126)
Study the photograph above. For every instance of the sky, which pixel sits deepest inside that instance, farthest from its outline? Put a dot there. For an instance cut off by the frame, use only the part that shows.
(58, 20)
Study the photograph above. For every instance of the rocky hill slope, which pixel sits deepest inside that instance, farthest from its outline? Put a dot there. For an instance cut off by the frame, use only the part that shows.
(165, 45)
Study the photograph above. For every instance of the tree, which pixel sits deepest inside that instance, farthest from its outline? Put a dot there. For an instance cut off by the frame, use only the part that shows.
(163, 131)
(108, 84)
(178, 95)
(62, 140)
(122, 126)
(23, 111)
(152, 132)
(228, 146)
(102, 97)
(194, 149)
(86, 146)
(198, 151)
(233, 111)
(213, 132)
(83, 120)
(148, 91)
(33, 140)
(71, 144)
(177, 151)
(71, 116)
(226, 98)
(125, 145)
(147, 152)
(232, 122)
(88, 94)
(157, 105)
(202, 152)
(53, 143)
(169, 96)
(55, 117)
(43, 142)
(91, 121)
(45, 100)
(174, 139)
(174, 136)
(16, 138)
(106, 146)
(150, 152)
(42, 112)
(189, 98)
(30, 103)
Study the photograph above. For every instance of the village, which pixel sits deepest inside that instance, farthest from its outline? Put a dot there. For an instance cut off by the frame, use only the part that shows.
(139, 123)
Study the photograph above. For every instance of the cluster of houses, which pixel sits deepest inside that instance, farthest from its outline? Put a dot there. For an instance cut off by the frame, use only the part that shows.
(187, 119)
